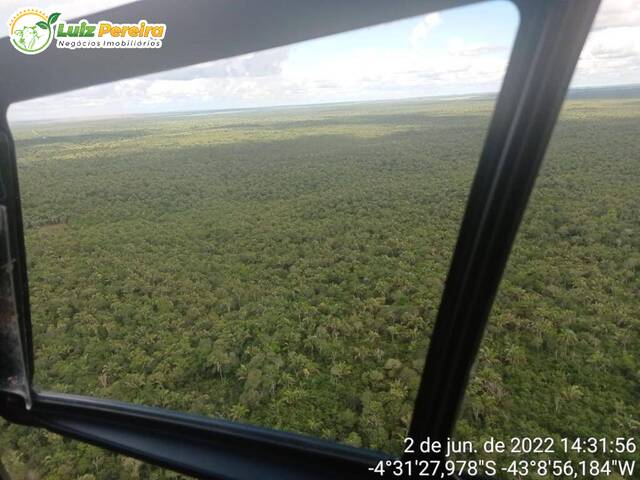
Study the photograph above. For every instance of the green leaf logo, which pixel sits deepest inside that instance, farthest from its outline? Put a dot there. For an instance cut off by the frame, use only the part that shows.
(53, 17)
(32, 30)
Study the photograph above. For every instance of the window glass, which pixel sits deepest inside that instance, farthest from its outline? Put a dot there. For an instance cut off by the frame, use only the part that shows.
(560, 357)
(262, 239)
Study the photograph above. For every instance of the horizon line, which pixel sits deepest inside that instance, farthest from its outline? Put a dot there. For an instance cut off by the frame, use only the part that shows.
(205, 111)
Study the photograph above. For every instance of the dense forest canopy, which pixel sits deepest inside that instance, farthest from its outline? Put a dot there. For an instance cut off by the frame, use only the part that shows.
(283, 267)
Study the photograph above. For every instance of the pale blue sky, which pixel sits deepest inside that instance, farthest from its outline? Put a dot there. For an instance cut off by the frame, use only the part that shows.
(457, 22)
(458, 51)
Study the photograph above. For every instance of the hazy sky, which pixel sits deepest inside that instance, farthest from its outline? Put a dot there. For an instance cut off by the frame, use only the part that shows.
(457, 51)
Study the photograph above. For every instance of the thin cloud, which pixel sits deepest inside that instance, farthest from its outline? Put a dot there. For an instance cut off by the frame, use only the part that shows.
(459, 47)
(612, 51)
(422, 29)
(259, 64)
(618, 13)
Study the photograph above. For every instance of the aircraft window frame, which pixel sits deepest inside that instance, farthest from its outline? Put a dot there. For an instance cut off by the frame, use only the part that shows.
(546, 49)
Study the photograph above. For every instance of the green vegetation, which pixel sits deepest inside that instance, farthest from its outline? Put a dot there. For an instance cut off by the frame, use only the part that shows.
(284, 267)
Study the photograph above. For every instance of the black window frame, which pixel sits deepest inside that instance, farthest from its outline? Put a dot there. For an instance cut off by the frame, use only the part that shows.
(546, 49)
